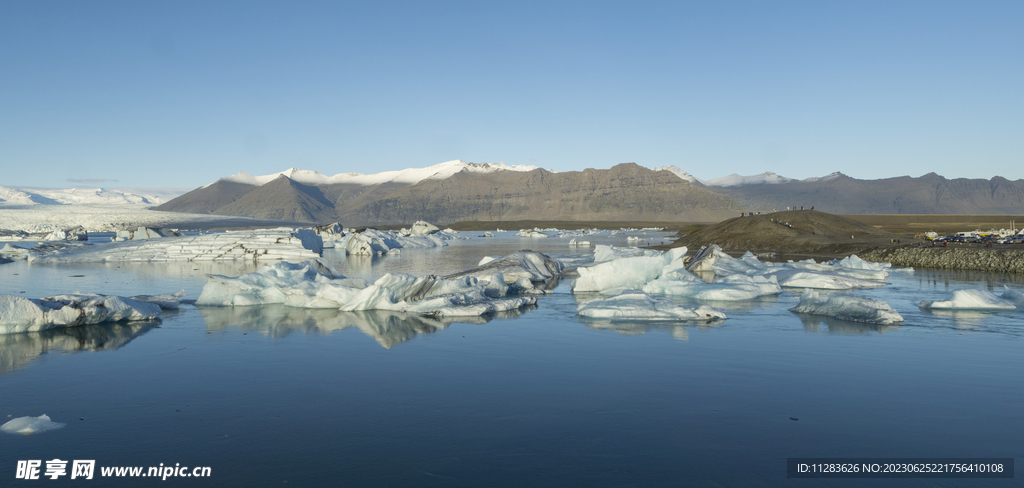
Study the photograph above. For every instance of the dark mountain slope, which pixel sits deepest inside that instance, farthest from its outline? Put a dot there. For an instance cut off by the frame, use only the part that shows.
(283, 199)
(208, 199)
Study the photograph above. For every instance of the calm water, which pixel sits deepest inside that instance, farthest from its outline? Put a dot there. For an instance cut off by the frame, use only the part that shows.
(274, 396)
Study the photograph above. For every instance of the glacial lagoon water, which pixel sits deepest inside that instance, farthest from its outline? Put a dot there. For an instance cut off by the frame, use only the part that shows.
(271, 396)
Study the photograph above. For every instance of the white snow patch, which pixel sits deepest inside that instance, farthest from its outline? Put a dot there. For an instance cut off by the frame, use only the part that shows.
(680, 173)
(408, 176)
(734, 179)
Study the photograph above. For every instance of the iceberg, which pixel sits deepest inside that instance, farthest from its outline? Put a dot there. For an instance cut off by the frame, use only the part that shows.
(1013, 296)
(729, 288)
(315, 284)
(604, 253)
(30, 425)
(970, 300)
(847, 307)
(637, 305)
(531, 265)
(76, 233)
(705, 259)
(18, 314)
(631, 272)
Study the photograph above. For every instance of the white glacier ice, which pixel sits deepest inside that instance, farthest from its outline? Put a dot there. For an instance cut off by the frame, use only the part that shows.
(629, 272)
(604, 253)
(30, 425)
(847, 307)
(705, 259)
(970, 300)
(18, 314)
(637, 305)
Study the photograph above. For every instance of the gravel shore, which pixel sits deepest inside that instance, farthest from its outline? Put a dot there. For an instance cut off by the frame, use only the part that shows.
(979, 259)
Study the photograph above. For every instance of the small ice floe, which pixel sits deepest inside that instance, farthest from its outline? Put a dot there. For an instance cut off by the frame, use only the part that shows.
(970, 300)
(488, 234)
(637, 305)
(847, 307)
(532, 234)
(76, 233)
(167, 301)
(575, 243)
(18, 314)
(30, 425)
(315, 284)
(1013, 296)
(373, 242)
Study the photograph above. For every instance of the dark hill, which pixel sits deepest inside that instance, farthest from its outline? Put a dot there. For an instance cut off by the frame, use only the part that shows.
(283, 199)
(793, 232)
(208, 199)
(928, 194)
(626, 192)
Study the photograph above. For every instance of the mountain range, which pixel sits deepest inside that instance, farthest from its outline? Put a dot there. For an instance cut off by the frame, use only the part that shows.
(459, 191)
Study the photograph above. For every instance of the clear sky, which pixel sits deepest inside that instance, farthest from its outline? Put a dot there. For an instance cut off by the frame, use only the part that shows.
(180, 93)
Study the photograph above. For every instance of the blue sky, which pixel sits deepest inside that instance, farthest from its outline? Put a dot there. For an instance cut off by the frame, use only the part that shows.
(178, 94)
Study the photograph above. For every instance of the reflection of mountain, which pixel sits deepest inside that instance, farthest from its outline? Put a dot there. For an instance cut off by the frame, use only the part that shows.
(812, 323)
(18, 350)
(387, 328)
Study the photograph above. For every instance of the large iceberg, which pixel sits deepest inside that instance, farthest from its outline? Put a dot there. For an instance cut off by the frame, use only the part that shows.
(30, 425)
(637, 305)
(375, 242)
(628, 272)
(800, 274)
(18, 314)
(847, 307)
(315, 284)
(970, 300)
(705, 259)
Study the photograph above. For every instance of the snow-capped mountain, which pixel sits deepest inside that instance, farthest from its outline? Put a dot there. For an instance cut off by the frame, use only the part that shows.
(88, 196)
(407, 176)
(734, 179)
(680, 173)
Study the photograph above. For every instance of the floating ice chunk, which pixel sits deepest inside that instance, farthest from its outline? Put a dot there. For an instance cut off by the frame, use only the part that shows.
(705, 259)
(970, 300)
(1013, 296)
(18, 314)
(76, 233)
(746, 264)
(532, 234)
(637, 305)
(632, 272)
(488, 234)
(532, 265)
(730, 288)
(168, 301)
(807, 279)
(604, 253)
(852, 261)
(847, 307)
(30, 425)
(309, 284)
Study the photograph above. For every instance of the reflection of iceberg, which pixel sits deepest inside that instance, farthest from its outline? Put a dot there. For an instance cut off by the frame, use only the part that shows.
(387, 328)
(18, 350)
(847, 307)
(812, 323)
(970, 300)
(1014, 296)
